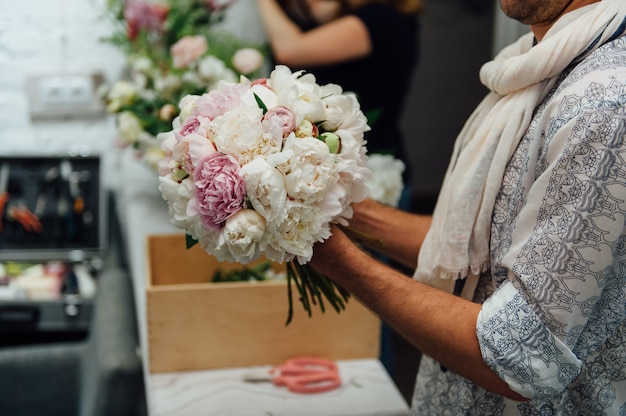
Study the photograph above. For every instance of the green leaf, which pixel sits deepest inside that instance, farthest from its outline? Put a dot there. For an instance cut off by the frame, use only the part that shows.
(190, 241)
(260, 103)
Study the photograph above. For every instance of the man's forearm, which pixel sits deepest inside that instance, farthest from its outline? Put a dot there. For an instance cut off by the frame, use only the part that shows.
(439, 324)
(392, 232)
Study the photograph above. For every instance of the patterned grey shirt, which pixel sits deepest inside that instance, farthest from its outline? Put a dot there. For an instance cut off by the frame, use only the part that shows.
(553, 321)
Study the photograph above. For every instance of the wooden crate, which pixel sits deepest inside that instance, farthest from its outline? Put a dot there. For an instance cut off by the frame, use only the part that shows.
(195, 324)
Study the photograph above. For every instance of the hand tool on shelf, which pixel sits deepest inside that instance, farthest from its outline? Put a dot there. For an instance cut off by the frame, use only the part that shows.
(4, 189)
(20, 213)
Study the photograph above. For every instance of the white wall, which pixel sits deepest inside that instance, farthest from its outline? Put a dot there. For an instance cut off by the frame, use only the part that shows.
(506, 30)
(52, 37)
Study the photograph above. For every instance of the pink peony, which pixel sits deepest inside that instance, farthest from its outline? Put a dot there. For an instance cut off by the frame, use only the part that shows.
(283, 117)
(220, 191)
(219, 101)
(190, 126)
(187, 50)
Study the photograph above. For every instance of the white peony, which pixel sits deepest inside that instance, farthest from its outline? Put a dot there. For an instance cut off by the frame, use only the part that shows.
(177, 194)
(310, 170)
(266, 189)
(239, 133)
(298, 92)
(243, 232)
(295, 236)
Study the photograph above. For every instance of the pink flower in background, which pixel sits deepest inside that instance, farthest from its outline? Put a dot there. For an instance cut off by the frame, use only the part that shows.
(247, 60)
(187, 50)
(220, 191)
(144, 15)
(283, 118)
(216, 5)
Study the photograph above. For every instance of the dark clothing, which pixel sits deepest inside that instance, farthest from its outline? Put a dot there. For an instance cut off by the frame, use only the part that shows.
(382, 79)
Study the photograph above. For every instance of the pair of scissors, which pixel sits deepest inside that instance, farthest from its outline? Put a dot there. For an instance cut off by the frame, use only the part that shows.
(302, 375)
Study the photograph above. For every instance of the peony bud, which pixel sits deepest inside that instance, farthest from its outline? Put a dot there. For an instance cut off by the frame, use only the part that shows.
(306, 129)
(332, 141)
(167, 112)
(283, 118)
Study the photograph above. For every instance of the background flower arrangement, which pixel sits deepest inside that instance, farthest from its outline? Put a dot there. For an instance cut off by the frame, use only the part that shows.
(173, 49)
(386, 183)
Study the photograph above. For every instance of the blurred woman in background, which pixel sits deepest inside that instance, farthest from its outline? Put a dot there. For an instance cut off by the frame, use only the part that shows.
(368, 47)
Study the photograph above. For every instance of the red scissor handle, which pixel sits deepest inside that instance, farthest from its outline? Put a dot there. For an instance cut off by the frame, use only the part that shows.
(309, 383)
(4, 197)
(307, 375)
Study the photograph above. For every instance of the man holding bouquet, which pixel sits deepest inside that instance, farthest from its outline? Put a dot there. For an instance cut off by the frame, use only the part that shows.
(518, 297)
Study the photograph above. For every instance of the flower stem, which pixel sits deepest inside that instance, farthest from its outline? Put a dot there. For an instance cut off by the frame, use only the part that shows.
(313, 287)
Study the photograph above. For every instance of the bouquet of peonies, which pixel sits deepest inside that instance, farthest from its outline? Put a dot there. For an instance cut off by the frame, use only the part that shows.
(263, 168)
(172, 50)
(385, 183)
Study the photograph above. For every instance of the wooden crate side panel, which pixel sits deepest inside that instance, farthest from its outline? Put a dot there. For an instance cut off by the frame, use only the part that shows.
(170, 262)
(219, 327)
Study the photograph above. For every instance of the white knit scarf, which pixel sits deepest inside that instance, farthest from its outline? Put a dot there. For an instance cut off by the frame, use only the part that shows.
(457, 245)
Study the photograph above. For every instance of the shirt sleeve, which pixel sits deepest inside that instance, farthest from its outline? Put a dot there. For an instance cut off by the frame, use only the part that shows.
(521, 349)
(564, 293)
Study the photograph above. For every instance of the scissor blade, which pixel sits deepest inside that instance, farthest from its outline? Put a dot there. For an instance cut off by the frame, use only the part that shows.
(257, 376)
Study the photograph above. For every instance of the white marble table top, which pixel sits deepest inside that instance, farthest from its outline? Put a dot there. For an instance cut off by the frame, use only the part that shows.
(367, 388)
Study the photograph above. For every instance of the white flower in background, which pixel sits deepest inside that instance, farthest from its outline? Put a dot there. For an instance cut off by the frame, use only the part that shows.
(153, 154)
(247, 60)
(142, 65)
(212, 70)
(385, 184)
(120, 94)
(129, 128)
(167, 83)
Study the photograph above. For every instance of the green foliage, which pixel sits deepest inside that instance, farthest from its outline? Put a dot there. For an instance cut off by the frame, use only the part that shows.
(257, 272)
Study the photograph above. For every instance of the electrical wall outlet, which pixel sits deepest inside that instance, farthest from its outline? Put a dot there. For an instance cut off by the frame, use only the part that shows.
(65, 96)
